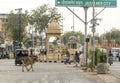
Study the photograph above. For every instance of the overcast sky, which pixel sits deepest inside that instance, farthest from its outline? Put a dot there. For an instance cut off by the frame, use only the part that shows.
(110, 16)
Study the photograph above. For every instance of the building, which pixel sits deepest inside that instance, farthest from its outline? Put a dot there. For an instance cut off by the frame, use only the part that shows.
(3, 19)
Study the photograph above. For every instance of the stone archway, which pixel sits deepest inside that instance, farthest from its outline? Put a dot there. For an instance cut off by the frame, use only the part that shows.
(52, 30)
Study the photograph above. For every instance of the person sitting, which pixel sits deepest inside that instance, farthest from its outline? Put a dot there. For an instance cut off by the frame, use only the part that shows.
(68, 54)
(20, 54)
(25, 54)
(110, 59)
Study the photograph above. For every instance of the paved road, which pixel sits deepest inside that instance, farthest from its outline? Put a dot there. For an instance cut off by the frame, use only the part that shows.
(115, 69)
(43, 73)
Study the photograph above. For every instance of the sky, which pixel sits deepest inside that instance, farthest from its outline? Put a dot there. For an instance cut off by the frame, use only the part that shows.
(110, 18)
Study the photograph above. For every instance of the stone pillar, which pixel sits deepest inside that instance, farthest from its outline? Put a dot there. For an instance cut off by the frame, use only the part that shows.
(102, 68)
(47, 44)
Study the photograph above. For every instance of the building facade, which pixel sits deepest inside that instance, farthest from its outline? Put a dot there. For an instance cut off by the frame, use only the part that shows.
(3, 20)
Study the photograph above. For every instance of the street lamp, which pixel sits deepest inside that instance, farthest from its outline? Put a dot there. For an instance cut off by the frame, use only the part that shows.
(19, 11)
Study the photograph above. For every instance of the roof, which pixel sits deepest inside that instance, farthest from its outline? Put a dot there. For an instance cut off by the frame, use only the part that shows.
(3, 15)
(53, 27)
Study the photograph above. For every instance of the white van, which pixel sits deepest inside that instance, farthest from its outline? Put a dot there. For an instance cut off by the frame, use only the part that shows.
(115, 52)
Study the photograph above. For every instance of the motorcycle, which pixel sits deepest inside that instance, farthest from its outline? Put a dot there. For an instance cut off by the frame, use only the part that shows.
(110, 60)
(66, 59)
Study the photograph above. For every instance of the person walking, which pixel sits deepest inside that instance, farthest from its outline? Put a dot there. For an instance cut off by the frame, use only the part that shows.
(68, 54)
(76, 58)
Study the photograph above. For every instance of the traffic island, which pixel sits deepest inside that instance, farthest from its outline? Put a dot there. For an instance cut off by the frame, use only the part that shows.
(102, 68)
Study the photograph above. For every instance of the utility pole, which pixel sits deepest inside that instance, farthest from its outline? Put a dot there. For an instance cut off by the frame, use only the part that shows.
(94, 23)
(86, 23)
(19, 11)
(85, 43)
(73, 23)
(93, 30)
(33, 35)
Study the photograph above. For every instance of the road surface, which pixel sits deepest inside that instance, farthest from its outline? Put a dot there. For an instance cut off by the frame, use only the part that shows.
(115, 69)
(43, 73)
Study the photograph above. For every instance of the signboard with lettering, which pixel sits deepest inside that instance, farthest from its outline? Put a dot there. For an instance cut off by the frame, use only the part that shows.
(86, 3)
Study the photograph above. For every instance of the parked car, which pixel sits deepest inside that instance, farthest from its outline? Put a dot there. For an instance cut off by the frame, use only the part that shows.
(19, 54)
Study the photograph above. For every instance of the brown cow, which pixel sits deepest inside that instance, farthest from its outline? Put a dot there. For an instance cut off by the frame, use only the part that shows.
(28, 60)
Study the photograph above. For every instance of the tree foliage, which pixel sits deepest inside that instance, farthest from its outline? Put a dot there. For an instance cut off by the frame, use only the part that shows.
(114, 34)
(12, 26)
(41, 16)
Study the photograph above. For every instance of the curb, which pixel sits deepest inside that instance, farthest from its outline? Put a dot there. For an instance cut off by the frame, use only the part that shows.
(50, 61)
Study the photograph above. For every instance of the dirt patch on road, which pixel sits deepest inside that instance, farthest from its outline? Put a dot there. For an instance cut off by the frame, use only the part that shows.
(100, 78)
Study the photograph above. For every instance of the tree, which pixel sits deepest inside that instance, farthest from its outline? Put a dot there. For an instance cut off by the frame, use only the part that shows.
(114, 34)
(41, 16)
(12, 26)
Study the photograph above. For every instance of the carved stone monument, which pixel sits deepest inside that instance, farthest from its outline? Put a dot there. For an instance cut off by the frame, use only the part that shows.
(53, 30)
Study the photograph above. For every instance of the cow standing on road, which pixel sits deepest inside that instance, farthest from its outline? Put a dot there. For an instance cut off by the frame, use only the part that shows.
(27, 60)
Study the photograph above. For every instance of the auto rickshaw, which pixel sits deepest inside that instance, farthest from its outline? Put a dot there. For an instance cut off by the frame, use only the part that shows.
(19, 54)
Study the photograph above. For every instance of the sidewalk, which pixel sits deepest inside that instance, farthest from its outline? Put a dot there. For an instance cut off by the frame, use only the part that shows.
(112, 77)
(114, 74)
(115, 69)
